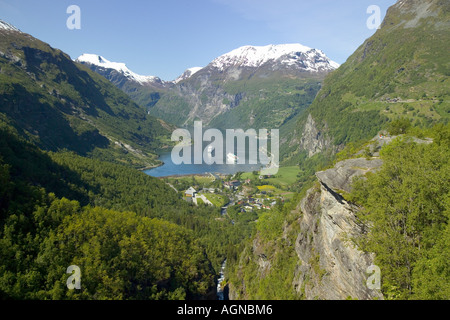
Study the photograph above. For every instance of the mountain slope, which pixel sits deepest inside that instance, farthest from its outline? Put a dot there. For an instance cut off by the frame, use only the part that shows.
(396, 214)
(389, 208)
(238, 89)
(144, 90)
(401, 71)
(119, 252)
(42, 91)
(120, 68)
(187, 74)
(275, 57)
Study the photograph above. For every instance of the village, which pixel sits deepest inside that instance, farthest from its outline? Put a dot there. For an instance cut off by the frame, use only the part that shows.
(245, 192)
(237, 193)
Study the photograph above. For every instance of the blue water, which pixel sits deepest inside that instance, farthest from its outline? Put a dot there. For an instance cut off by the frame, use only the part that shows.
(170, 169)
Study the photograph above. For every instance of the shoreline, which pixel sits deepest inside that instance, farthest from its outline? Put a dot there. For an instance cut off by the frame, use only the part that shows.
(220, 175)
(152, 167)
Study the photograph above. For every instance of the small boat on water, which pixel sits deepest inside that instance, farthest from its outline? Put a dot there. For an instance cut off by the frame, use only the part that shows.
(231, 158)
(209, 151)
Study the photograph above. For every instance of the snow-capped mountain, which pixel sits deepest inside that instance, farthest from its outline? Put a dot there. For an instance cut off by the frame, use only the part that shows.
(223, 91)
(204, 93)
(101, 62)
(7, 26)
(119, 73)
(288, 55)
(292, 57)
(187, 74)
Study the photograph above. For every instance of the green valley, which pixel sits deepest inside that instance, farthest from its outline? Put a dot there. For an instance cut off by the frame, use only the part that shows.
(361, 194)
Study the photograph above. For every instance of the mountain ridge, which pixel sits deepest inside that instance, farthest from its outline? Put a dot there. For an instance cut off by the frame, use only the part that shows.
(119, 67)
(338, 228)
(257, 56)
(400, 71)
(7, 26)
(42, 89)
(245, 56)
(238, 83)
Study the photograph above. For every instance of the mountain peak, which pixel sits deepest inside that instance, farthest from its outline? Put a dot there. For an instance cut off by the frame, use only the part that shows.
(99, 61)
(312, 60)
(188, 73)
(7, 26)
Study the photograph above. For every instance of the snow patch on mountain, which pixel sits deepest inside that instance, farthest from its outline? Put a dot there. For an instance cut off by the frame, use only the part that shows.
(187, 74)
(292, 56)
(7, 26)
(100, 61)
(312, 60)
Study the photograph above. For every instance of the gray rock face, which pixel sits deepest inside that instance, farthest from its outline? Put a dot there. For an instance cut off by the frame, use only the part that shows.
(331, 266)
(312, 139)
(204, 98)
(340, 177)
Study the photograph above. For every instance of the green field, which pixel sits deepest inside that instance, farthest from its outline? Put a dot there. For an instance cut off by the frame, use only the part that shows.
(216, 199)
(286, 176)
(199, 179)
(182, 183)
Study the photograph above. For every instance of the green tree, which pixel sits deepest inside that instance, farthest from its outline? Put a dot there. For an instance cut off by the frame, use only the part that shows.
(406, 208)
(399, 126)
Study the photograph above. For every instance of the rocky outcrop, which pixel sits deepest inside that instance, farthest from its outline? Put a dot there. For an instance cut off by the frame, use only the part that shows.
(204, 98)
(312, 139)
(331, 266)
(321, 233)
(341, 176)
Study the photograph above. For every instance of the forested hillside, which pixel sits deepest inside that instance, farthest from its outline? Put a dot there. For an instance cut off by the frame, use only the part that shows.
(58, 104)
(403, 213)
(406, 207)
(401, 71)
(368, 182)
(396, 83)
(135, 237)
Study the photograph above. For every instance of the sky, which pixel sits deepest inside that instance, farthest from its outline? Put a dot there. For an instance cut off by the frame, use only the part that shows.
(165, 37)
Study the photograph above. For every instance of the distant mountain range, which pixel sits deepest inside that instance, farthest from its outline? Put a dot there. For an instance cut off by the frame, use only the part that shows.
(229, 91)
(102, 64)
(274, 57)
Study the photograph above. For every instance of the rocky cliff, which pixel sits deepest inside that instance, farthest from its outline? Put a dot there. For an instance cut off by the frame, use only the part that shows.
(312, 139)
(314, 253)
(320, 258)
(331, 265)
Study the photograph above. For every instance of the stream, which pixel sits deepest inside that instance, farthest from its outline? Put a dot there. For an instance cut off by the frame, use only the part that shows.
(222, 293)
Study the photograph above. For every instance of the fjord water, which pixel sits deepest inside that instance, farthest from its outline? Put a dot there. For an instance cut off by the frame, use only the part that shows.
(171, 169)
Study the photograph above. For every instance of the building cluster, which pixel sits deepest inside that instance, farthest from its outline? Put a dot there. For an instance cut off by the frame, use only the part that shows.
(241, 197)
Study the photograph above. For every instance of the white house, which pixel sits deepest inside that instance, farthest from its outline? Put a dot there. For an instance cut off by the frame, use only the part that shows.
(190, 193)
